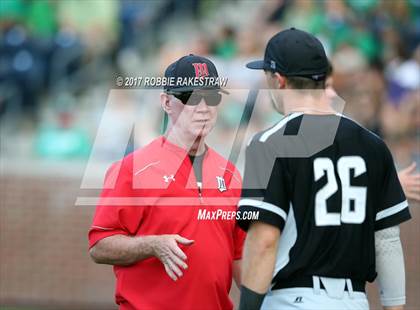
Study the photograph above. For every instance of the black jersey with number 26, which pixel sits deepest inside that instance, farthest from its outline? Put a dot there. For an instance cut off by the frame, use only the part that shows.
(328, 184)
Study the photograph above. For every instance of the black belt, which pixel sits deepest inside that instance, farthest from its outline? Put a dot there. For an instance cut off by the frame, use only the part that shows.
(306, 281)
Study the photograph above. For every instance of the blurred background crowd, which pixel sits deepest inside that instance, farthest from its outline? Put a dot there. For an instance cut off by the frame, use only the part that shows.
(59, 60)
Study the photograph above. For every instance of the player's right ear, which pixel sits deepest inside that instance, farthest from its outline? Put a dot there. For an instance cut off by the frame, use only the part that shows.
(165, 102)
(275, 80)
(280, 80)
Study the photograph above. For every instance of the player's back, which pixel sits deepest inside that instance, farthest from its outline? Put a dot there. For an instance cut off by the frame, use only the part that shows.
(335, 183)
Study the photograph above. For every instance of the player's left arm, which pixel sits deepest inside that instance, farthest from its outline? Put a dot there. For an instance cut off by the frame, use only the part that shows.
(390, 268)
(391, 210)
(258, 264)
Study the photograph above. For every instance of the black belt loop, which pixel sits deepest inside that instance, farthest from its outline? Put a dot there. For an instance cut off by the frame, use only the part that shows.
(306, 281)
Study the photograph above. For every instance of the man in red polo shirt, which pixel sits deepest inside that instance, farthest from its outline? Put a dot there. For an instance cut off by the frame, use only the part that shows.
(166, 217)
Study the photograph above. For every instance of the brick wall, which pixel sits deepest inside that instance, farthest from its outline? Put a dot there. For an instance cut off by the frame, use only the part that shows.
(43, 247)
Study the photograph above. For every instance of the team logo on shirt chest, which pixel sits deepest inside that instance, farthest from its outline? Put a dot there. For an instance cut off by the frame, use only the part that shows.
(221, 185)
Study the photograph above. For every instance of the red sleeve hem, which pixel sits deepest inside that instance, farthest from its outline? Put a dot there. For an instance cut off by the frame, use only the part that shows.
(95, 235)
(237, 257)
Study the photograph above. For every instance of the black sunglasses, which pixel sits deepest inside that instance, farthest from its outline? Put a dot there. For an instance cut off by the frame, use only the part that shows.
(193, 98)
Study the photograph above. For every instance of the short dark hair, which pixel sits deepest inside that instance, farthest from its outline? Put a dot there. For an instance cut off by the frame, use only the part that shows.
(330, 69)
(299, 82)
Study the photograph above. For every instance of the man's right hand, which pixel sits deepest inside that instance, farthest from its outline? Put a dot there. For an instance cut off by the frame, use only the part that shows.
(166, 249)
(410, 182)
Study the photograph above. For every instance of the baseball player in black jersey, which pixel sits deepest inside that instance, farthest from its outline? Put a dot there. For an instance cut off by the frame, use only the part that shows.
(327, 192)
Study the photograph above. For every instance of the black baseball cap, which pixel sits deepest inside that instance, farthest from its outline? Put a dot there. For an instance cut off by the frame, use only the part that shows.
(202, 70)
(294, 52)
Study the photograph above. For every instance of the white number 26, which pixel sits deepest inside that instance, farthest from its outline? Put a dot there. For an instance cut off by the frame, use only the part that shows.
(357, 194)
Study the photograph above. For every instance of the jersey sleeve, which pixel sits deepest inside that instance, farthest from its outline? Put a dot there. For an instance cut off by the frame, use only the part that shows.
(115, 214)
(393, 207)
(264, 187)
